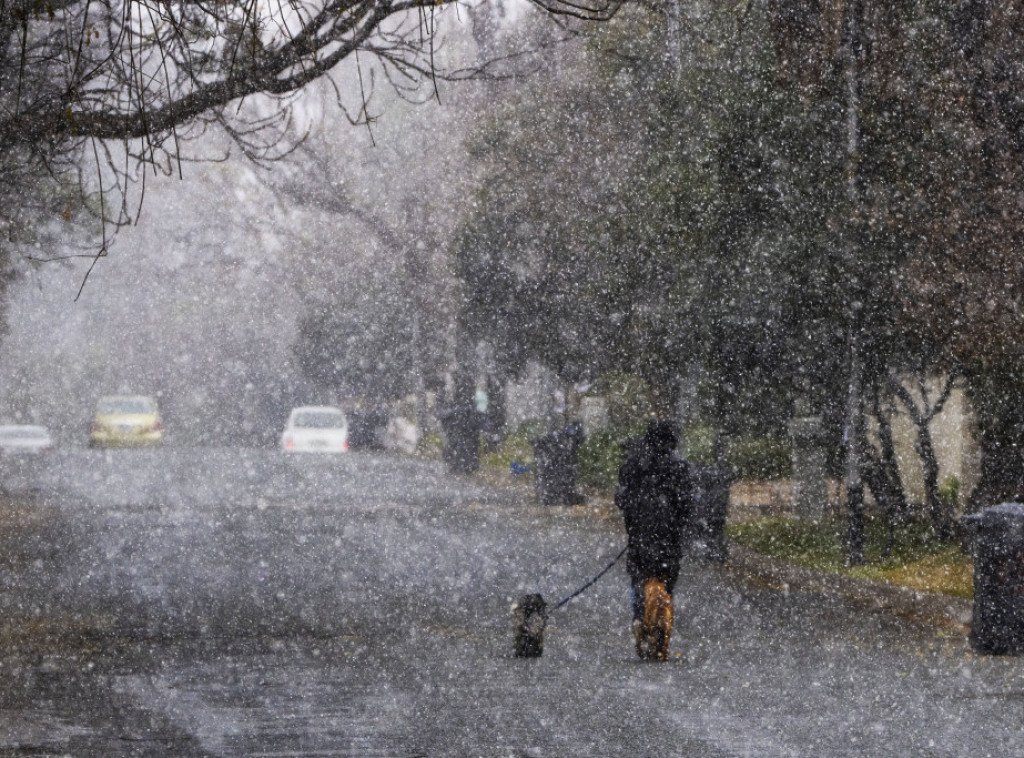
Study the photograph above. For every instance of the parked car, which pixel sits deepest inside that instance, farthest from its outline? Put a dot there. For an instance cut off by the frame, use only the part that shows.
(126, 421)
(315, 429)
(24, 439)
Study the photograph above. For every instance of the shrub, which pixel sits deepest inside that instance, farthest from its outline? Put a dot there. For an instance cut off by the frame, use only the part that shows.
(760, 457)
(516, 447)
(627, 401)
(949, 492)
(429, 445)
(751, 456)
(698, 443)
(601, 455)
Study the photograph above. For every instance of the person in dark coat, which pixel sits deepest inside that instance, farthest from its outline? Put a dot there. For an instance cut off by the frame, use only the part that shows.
(655, 495)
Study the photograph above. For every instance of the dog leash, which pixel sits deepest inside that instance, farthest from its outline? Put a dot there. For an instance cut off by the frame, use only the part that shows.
(603, 571)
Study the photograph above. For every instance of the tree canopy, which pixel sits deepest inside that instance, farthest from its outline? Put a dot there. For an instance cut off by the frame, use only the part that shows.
(750, 189)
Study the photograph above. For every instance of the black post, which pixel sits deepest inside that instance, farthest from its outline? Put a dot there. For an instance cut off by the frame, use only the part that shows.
(854, 456)
(852, 56)
(460, 429)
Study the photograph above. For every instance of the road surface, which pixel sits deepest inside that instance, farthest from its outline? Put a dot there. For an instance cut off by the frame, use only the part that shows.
(222, 602)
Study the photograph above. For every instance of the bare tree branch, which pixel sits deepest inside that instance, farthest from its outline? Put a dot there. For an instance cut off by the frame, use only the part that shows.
(142, 77)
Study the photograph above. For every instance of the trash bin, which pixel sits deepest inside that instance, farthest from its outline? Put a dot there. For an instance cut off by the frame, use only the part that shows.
(704, 536)
(555, 466)
(998, 625)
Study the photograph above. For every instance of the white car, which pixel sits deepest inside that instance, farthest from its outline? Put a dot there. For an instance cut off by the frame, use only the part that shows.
(24, 439)
(315, 429)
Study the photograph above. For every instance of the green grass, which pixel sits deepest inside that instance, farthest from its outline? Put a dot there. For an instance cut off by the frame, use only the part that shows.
(915, 560)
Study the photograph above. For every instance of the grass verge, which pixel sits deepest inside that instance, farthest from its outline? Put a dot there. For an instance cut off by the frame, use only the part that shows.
(915, 560)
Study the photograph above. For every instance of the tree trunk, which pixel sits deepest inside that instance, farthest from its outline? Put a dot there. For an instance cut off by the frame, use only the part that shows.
(878, 482)
(882, 473)
(856, 442)
(890, 464)
(496, 418)
(854, 459)
(941, 520)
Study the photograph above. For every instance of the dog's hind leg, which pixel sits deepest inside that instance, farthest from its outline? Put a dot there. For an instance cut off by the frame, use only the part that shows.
(656, 628)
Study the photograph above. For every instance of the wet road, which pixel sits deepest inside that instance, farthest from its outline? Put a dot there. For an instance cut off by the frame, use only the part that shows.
(225, 602)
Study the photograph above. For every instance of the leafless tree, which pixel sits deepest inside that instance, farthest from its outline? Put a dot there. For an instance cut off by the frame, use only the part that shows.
(113, 85)
(921, 415)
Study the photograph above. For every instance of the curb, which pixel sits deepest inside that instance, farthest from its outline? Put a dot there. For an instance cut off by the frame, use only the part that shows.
(944, 611)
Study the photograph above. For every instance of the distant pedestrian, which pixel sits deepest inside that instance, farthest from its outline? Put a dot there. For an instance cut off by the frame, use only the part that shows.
(460, 438)
(655, 495)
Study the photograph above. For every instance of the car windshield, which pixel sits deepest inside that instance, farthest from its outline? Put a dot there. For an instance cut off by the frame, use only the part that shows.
(124, 405)
(319, 420)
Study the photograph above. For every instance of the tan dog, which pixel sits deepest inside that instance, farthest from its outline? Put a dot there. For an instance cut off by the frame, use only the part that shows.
(655, 631)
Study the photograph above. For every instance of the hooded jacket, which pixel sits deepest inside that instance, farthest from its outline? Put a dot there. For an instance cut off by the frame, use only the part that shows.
(654, 494)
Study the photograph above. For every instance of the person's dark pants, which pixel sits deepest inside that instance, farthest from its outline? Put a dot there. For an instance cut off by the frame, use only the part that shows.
(638, 578)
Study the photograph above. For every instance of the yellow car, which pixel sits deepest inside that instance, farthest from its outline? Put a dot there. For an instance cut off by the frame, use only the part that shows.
(126, 421)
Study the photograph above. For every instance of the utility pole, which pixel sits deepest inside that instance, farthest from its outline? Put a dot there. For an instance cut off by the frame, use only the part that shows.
(852, 55)
(673, 38)
(413, 271)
